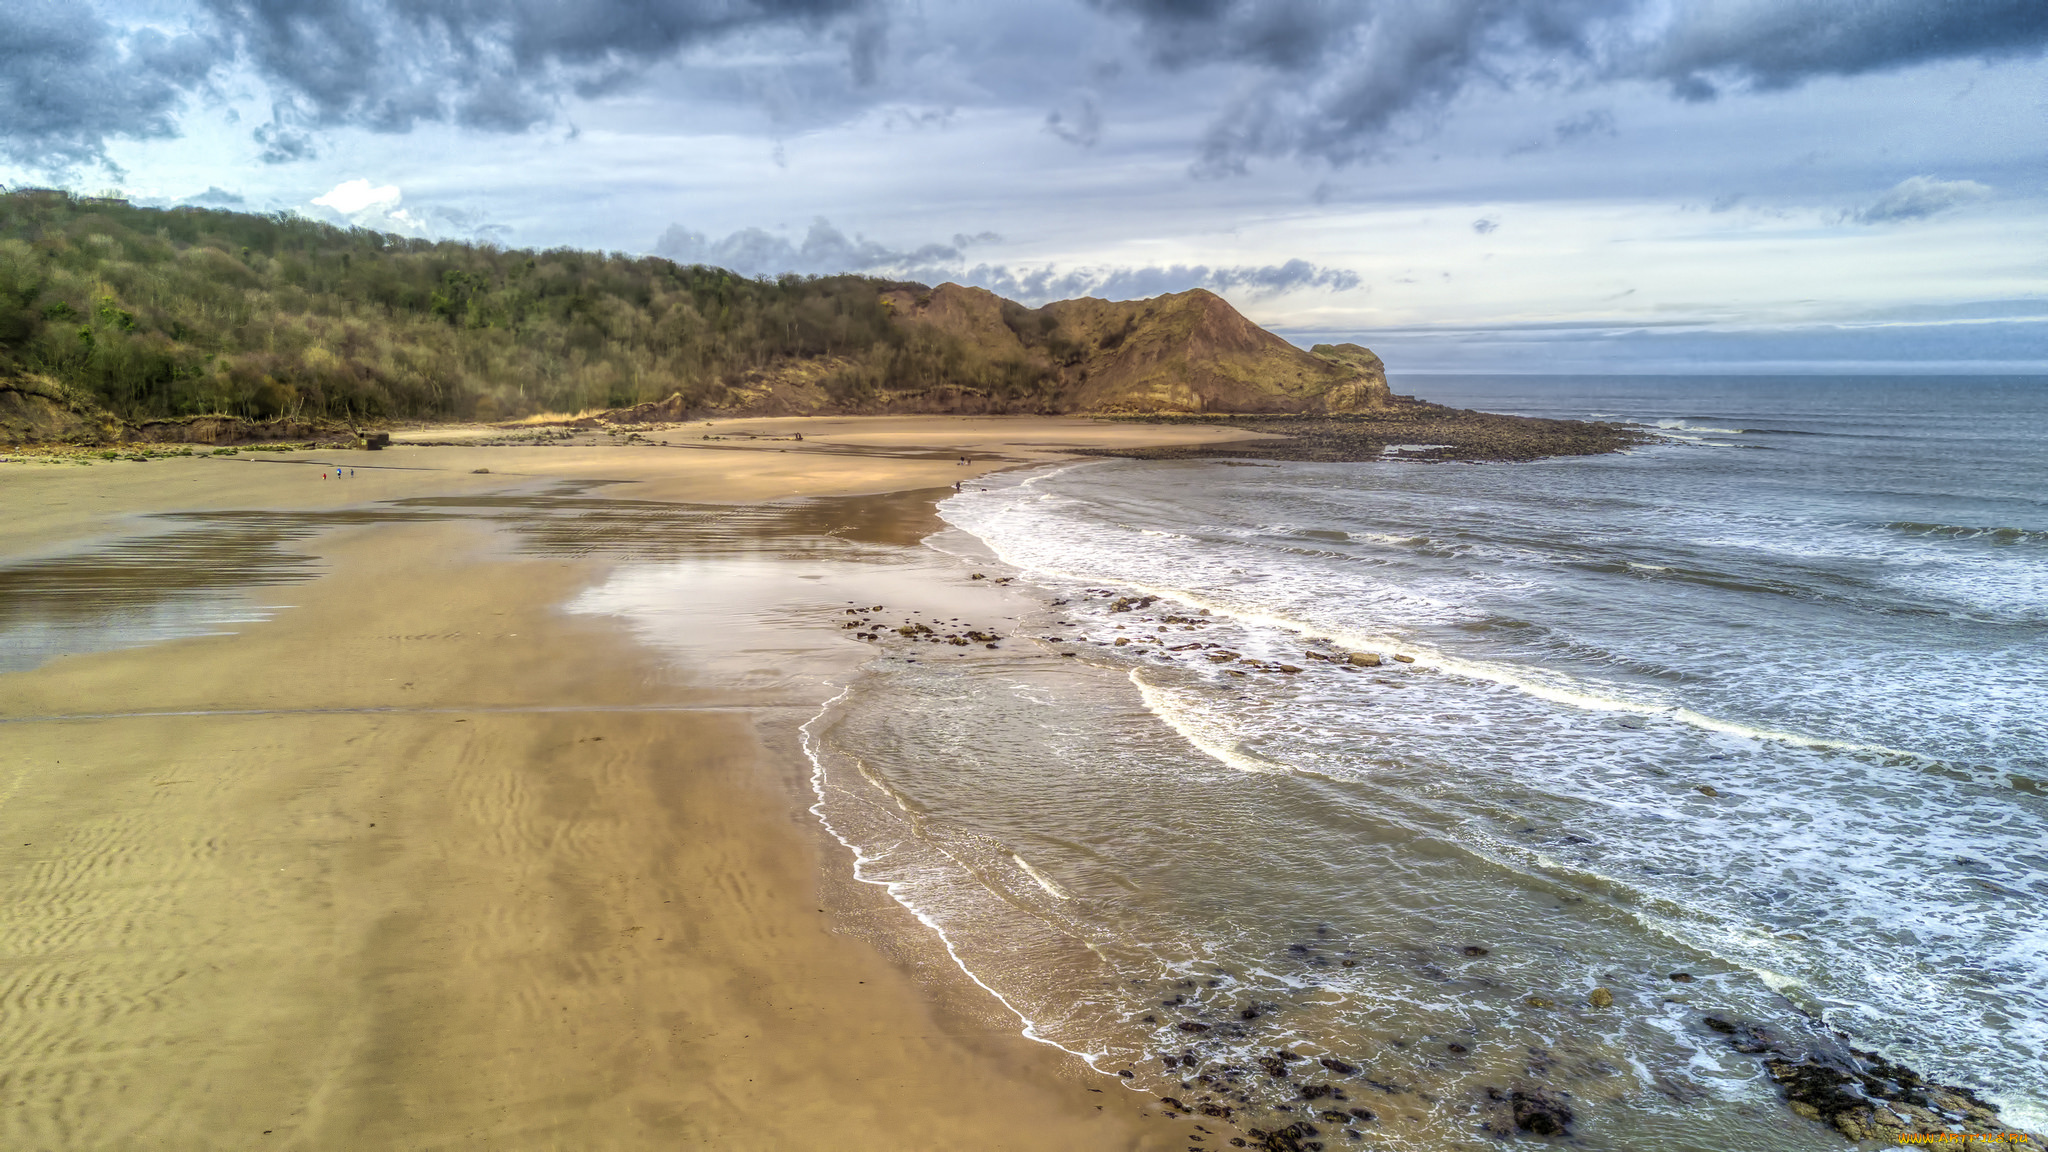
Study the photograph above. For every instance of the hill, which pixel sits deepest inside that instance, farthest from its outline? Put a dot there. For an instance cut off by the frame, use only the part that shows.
(156, 314)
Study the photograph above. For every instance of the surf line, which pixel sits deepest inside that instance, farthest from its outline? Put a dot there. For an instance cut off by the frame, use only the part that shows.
(813, 749)
(374, 710)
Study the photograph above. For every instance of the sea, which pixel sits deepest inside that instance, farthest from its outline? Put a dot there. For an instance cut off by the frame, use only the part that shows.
(1748, 724)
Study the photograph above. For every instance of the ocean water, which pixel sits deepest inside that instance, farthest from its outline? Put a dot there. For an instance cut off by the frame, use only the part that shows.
(1763, 706)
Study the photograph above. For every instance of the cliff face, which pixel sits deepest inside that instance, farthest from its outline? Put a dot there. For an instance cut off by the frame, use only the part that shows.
(1185, 352)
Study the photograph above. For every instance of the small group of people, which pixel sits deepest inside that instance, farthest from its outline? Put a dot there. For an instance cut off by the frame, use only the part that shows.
(339, 473)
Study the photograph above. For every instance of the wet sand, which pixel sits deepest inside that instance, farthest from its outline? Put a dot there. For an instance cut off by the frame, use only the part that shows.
(425, 861)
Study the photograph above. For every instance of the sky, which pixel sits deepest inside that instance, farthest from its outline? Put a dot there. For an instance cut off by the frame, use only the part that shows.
(1475, 185)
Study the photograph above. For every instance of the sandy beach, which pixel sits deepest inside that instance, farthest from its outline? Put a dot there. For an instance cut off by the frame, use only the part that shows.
(417, 859)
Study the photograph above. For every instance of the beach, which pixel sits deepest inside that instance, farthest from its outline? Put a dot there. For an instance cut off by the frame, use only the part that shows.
(410, 857)
(935, 782)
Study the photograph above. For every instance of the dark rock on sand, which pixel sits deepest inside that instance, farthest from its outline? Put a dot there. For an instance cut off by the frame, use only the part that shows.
(1535, 1110)
(1338, 1066)
(1864, 1096)
(1293, 1138)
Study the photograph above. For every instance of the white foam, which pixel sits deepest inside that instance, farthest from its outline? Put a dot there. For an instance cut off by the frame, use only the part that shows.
(1044, 881)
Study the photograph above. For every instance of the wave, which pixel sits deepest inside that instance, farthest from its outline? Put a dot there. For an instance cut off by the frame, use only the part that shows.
(1968, 532)
(1681, 425)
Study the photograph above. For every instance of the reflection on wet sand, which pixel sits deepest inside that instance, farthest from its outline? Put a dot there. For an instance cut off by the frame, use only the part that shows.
(196, 576)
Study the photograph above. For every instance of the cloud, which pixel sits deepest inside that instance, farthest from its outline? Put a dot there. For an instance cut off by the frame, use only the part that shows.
(389, 65)
(377, 207)
(351, 197)
(1113, 282)
(360, 204)
(825, 250)
(282, 145)
(1594, 122)
(1485, 225)
(216, 197)
(69, 81)
(1336, 82)
(1081, 125)
(1917, 198)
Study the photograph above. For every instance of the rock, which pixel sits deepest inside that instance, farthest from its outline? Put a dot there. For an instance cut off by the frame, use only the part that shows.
(1191, 1026)
(1288, 668)
(1338, 1066)
(1122, 640)
(1404, 659)
(1315, 1091)
(1473, 950)
(1538, 1002)
(1544, 1113)
(1365, 659)
(479, 471)
(1707, 790)
(1681, 977)
(1600, 998)
(978, 576)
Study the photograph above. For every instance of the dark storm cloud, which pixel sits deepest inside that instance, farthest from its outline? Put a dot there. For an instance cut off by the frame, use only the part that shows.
(69, 81)
(491, 64)
(1338, 78)
(825, 250)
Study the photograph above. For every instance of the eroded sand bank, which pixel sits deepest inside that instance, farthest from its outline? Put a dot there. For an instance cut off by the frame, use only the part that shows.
(425, 861)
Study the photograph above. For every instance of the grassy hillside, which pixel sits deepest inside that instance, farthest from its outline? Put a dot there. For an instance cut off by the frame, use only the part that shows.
(162, 313)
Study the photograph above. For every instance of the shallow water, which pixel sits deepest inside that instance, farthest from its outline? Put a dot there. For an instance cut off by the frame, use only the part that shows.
(198, 573)
(1763, 705)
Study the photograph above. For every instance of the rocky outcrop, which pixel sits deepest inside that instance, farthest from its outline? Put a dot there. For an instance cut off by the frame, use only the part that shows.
(1183, 352)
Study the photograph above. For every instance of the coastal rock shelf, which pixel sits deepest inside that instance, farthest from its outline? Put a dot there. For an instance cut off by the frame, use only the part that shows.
(1414, 429)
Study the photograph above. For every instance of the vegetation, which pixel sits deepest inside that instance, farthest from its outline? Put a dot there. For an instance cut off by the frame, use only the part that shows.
(157, 313)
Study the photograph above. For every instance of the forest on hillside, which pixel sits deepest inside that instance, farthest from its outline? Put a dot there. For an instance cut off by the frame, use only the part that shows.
(183, 311)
